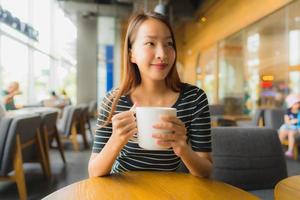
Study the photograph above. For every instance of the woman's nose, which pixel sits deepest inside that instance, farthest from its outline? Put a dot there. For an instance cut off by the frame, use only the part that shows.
(161, 53)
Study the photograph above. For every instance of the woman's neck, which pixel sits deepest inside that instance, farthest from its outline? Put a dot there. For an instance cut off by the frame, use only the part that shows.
(153, 87)
(154, 94)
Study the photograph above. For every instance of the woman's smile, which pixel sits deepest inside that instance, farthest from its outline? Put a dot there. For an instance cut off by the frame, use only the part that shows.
(159, 66)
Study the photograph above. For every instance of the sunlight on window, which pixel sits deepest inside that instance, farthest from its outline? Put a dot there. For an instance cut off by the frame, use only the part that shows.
(294, 47)
(15, 68)
(41, 76)
(41, 21)
(65, 37)
(295, 82)
(50, 65)
(253, 43)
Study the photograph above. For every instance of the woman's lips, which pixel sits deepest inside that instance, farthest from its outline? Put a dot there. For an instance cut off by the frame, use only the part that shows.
(160, 66)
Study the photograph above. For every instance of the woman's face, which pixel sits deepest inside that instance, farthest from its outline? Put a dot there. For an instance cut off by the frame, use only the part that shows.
(153, 51)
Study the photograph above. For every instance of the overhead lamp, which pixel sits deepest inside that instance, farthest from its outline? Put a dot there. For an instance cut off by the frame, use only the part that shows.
(203, 19)
(161, 8)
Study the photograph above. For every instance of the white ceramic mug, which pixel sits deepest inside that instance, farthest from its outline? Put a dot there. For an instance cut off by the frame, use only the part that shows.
(146, 117)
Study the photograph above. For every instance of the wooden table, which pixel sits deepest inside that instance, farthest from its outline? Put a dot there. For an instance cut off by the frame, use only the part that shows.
(150, 185)
(288, 189)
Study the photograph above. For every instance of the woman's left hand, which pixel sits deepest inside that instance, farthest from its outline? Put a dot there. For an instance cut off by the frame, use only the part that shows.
(177, 139)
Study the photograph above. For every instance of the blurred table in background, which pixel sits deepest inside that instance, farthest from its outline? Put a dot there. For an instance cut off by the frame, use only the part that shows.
(30, 110)
(288, 188)
(227, 120)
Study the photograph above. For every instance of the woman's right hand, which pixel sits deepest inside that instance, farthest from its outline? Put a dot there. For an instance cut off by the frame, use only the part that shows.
(124, 127)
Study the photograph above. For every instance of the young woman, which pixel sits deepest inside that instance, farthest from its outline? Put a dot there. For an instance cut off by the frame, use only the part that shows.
(151, 79)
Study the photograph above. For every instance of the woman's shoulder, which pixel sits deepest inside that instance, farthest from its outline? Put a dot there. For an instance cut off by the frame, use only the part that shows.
(109, 97)
(191, 89)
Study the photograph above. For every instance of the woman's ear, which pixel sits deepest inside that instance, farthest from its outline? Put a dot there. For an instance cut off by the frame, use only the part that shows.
(132, 59)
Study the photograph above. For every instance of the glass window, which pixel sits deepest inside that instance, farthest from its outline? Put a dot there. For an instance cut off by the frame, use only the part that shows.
(15, 66)
(231, 65)
(267, 60)
(66, 79)
(65, 36)
(208, 66)
(41, 76)
(42, 23)
(48, 66)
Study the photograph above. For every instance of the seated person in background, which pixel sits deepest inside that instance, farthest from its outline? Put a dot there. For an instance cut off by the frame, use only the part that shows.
(9, 94)
(290, 128)
(65, 98)
(53, 101)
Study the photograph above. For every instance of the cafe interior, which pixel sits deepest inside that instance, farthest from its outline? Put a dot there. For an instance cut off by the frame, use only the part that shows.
(60, 57)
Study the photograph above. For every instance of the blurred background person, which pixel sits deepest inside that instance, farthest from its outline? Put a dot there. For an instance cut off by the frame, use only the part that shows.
(53, 101)
(65, 98)
(290, 129)
(9, 94)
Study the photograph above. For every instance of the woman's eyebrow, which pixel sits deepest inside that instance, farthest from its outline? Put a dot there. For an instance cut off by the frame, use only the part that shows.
(156, 37)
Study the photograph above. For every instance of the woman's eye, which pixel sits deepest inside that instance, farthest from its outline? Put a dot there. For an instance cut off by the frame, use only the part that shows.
(149, 43)
(170, 44)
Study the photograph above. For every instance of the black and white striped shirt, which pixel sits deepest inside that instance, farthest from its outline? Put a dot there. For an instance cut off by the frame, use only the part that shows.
(192, 109)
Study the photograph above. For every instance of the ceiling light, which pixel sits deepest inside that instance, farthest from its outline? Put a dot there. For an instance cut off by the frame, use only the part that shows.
(297, 19)
(161, 9)
(203, 19)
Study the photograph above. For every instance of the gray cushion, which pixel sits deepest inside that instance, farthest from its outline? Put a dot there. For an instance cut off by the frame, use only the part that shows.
(25, 126)
(274, 118)
(63, 123)
(70, 114)
(216, 109)
(248, 158)
(2, 111)
(259, 113)
(92, 108)
(49, 119)
(4, 127)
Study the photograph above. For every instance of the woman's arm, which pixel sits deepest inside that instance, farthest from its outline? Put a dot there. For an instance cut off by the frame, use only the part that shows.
(124, 127)
(100, 164)
(198, 163)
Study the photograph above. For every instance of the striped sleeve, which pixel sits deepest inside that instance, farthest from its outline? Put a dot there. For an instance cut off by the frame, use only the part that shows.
(103, 131)
(200, 128)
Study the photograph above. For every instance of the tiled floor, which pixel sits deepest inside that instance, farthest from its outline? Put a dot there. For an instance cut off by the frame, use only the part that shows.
(38, 187)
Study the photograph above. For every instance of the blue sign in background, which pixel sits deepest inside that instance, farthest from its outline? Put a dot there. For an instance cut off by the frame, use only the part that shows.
(109, 58)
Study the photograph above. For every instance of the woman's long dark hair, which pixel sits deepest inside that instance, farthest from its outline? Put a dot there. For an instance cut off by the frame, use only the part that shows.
(131, 74)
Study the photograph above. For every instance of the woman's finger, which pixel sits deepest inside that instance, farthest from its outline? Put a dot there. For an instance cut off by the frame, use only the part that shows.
(164, 136)
(123, 121)
(172, 119)
(122, 115)
(164, 143)
(169, 126)
(128, 128)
